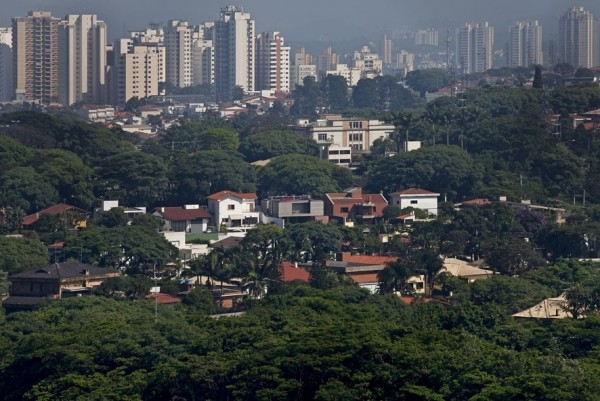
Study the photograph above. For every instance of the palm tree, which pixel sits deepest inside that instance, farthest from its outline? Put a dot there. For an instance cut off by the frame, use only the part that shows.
(429, 264)
(394, 276)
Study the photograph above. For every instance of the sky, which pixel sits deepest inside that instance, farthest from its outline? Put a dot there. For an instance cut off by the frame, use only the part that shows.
(309, 20)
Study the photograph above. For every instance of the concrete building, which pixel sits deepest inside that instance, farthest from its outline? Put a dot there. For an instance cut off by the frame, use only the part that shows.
(272, 63)
(416, 198)
(35, 57)
(82, 60)
(178, 53)
(368, 63)
(358, 134)
(294, 209)
(339, 155)
(234, 52)
(576, 37)
(188, 218)
(475, 47)
(525, 44)
(203, 55)
(136, 71)
(352, 75)
(7, 89)
(405, 61)
(302, 67)
(386, 50)
(327, 61)
(427, 36)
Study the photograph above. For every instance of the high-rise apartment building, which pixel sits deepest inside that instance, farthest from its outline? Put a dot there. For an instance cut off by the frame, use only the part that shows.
(272, 63)
(135, 72)
(327, 61)
(178, 48)
(203, 54)
(596, 40)
(386, 50)
(234, 48)
(427, 36)
(405, 61)
(302, 67)
(6, 65)
(474, 47)
(525, 44)
(369, 63)
(35, 56)
(576, 37)
(82, 60)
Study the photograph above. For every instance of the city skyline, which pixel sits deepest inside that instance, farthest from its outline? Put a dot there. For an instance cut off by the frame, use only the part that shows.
(299, 21)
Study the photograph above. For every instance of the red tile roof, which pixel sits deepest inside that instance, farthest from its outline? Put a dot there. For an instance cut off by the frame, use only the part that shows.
(164, 298)
(178, 213)
(292, 273)
(219, 196)
(367, 259)
(414, 191)
(52, 210)
(361, 278)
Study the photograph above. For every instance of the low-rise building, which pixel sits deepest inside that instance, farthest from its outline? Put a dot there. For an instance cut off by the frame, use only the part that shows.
(416, 198)
(294, 209)
(70, 216)
(32, 287)
(353, 205)
(233, 210)
(186, 218)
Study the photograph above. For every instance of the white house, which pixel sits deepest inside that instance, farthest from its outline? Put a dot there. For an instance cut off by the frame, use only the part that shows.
(233, 210)
(189, 218)
(416, 198)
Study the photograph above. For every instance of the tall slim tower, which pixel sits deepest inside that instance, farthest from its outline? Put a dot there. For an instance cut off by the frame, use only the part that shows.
(525, 44)
(272, 63)
(82, 60)
(386, 50)
(178, 48)
(576, 37)
(234, 52)
(474, 47)
(6, 66)
(35, 57)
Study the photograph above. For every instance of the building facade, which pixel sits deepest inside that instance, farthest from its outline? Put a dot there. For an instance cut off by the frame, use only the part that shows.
(525, 44)
(475, 47)
(234, 52)
(178, 53)
(35, 57)
(6, 65)
(272, 63)
(82, 60)
(576, 38)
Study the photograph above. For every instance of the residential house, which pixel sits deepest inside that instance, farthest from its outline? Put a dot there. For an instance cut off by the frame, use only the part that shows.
(549, 308)
(353, 205)
(58, 280)
(107, 205)
(294, 209)
(468, 271)
(186, 218)
(291, 272)
(416, 198)
(364, 269)
(70, 216)
(233, 210)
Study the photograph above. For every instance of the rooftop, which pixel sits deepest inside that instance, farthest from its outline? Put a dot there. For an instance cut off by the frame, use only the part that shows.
(219, 196)
(178, 213)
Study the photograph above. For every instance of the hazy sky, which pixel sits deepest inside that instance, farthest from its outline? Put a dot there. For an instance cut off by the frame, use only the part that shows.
(304, 20)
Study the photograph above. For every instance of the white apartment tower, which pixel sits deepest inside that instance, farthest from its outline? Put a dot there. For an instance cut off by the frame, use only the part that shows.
(178, 50)
(302, 67)
(6, 67)
(234, 52)
(82, 60)
(525, 44)
(272, 63)
(386, 50)
(576, 37)
(369, 63)
(427, 36)
(474, 47)
(35, 57)
(135, 72)
(203, 55)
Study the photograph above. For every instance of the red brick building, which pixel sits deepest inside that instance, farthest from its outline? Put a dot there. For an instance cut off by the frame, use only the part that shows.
(353, 205)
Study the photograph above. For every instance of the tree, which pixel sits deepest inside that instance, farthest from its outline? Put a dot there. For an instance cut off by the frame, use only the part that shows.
(393, 278)
(192, 135)
(306, 98)
(511, 255)
(134, 178)
(200, 299)
(299, 174)
(23, 188)
(124, 287)
(427, 80)
(537, 78)
(313, 241)
(269, 144)
(429, 263)
(335, 92)
(20, 254)
(114, 217)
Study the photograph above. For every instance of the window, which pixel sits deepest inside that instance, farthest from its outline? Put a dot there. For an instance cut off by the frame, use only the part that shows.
(356, 137)
(344, 210)
(322, 137)
(230, 207)
(414, 202)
